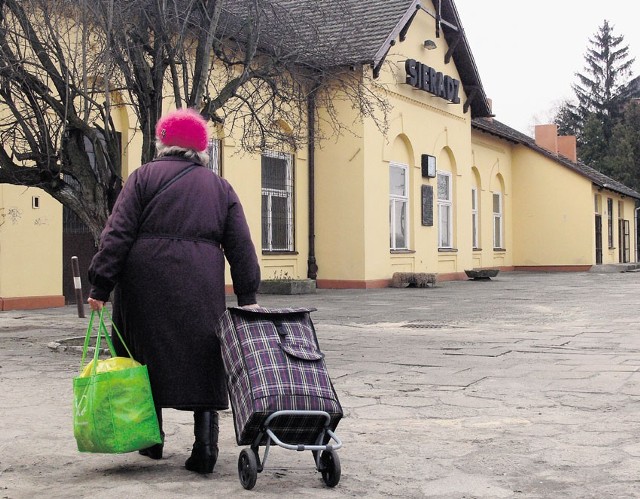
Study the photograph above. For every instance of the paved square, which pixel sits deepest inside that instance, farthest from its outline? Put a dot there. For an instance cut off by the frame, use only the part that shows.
(527, 385)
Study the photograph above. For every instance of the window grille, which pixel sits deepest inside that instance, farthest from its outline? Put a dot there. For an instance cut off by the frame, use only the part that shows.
(71, 223)
(277, 202)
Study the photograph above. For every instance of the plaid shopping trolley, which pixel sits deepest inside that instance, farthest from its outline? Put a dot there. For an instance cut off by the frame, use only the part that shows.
(279, 388)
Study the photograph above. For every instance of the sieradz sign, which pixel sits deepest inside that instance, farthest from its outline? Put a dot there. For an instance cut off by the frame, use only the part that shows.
(428, 79)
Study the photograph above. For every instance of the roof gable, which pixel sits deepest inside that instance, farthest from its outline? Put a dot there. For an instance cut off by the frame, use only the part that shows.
(361, 32)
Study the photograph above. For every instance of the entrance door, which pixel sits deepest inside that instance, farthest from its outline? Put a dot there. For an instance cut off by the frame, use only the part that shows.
(598, 239)
(624, 241)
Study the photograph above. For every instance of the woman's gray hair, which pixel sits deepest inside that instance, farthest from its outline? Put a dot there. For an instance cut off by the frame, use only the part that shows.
(201, 157)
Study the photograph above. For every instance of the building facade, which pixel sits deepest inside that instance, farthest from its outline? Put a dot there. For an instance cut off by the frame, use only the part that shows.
(444, 188)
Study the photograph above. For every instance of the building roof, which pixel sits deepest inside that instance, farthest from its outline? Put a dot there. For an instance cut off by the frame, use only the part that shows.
(498, 129)
(344, 33)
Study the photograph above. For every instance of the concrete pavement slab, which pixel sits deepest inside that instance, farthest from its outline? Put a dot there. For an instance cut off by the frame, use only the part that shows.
(524, 386)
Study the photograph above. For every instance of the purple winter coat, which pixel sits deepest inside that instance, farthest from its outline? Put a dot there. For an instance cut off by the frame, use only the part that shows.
(165, 255)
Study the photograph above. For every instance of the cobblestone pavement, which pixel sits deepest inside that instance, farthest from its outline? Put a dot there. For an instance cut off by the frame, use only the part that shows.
(525, 386)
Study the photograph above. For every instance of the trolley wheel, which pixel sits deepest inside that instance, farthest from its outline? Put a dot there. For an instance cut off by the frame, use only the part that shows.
(330, 467)
(248, 468)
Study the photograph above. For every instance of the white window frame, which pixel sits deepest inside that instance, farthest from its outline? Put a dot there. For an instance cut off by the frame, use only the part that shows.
(399, 202)
(498, 236)
(445, 206)
(475, 221)
(287, 193)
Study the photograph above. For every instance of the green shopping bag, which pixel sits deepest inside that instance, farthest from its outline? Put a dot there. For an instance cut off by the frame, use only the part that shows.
(113, 409)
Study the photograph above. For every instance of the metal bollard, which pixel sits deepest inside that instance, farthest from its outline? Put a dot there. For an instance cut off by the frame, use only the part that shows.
(77, 284)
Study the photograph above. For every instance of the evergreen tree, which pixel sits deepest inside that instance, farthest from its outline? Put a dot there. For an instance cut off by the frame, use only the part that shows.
(594, 143)
(568, 120)
(598, 107)
(623, 160)
(606, 72)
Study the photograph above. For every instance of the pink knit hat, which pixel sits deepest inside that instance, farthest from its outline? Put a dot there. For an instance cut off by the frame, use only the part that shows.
(184, 128)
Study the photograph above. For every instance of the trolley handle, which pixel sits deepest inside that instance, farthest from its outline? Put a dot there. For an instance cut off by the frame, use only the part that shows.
(302, 447)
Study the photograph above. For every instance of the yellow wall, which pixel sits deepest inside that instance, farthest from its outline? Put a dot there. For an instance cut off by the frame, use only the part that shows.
(355, 170)
(553, 207)
(492, 174)
(125, 121)
(30, 245)
(243, 171)
(423, 124)
(340, 197)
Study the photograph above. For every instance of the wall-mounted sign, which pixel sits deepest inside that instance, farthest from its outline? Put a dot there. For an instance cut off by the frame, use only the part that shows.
(426, 78)
(427, 205)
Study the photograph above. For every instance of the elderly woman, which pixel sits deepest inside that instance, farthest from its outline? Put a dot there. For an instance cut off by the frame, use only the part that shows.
(162, 253)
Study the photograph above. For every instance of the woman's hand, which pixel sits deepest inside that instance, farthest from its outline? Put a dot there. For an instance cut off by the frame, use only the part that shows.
(95, 304)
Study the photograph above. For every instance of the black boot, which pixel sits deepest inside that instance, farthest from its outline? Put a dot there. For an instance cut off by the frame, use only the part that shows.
(155, 451)
(205, 449)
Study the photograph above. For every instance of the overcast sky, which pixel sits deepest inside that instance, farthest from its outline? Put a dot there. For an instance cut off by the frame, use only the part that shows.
(527, 53)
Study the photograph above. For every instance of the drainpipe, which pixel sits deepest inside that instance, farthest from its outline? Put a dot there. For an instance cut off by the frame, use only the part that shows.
(312, 267)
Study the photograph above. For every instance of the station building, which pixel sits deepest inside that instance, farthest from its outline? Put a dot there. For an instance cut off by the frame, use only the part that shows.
(445, 188)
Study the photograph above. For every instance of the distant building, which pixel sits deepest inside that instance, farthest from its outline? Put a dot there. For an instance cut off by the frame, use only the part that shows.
(631, 90)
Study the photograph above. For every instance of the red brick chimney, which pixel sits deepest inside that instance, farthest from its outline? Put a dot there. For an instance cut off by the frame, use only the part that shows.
(547, 137)
(567, 147)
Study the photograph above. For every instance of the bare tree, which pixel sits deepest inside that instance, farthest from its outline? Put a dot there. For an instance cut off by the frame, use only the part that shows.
(245, 64)
(54, 126)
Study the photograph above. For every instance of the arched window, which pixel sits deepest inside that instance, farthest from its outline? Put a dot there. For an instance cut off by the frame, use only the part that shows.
(445, 210)
(498, 223)
(398, 206)
(475, 221)
(475, 209)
